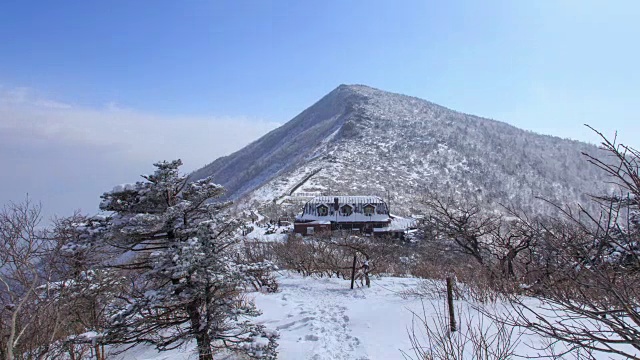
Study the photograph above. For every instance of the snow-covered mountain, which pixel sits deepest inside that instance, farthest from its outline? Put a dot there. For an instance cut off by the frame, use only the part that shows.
(360, 140)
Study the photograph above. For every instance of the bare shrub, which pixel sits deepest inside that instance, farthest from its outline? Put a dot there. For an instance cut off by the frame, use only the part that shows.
(331, 254)
(427, 289)
(479, 337)
(310, 257)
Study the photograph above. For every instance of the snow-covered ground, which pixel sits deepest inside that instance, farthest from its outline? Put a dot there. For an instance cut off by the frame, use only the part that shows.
(269, 232)
(323, 319)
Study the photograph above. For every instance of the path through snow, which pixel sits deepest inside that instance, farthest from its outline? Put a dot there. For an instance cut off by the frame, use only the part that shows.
(324, 319)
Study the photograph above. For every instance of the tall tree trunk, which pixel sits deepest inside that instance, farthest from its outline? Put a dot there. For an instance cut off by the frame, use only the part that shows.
(203, 341)
(13, 329)
(510, 270)
(9, 351)
(512, 256)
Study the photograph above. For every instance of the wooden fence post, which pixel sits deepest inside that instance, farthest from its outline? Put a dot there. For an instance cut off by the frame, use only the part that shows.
(452, 316)
(353, 271)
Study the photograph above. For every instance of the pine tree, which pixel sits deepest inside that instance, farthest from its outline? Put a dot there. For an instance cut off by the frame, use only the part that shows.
(178, 248)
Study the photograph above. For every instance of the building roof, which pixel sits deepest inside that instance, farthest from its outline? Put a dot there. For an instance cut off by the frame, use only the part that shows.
(346, 200)
(318, 222)
(357, 203)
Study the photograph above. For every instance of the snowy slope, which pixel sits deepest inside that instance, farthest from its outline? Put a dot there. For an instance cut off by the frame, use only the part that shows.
(360, 140)
(283, 148)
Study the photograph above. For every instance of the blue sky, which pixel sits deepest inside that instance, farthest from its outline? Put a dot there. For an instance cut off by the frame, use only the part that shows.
(92, 77)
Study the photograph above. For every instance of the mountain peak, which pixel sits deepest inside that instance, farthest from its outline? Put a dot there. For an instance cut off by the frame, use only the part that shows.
(360, 89)
(356, 87)
(361, 140)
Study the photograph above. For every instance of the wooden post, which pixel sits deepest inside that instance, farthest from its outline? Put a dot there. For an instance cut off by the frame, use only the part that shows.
(353, 271)
(365, 271)
(452, 316)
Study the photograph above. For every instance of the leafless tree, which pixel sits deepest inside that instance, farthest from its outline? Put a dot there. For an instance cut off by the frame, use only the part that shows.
(463, 223)
(23, 280)
(50, 292)
(499, 241)
(513, 243)
(589, 290)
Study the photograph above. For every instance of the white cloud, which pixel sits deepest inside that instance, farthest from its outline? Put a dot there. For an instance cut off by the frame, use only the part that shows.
(66, 155)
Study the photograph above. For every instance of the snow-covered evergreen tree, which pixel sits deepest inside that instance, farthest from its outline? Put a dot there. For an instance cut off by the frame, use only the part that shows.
(186, 285)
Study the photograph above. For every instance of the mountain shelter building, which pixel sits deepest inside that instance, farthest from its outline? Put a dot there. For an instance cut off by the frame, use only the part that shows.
(366, 214)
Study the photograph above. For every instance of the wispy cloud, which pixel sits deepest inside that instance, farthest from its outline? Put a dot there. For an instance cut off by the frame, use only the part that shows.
(66, 155)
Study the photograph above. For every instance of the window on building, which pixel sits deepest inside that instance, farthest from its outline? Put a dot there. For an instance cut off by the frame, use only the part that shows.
(310, 230)
(323, 210)
(369, 210)
(346, 210)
